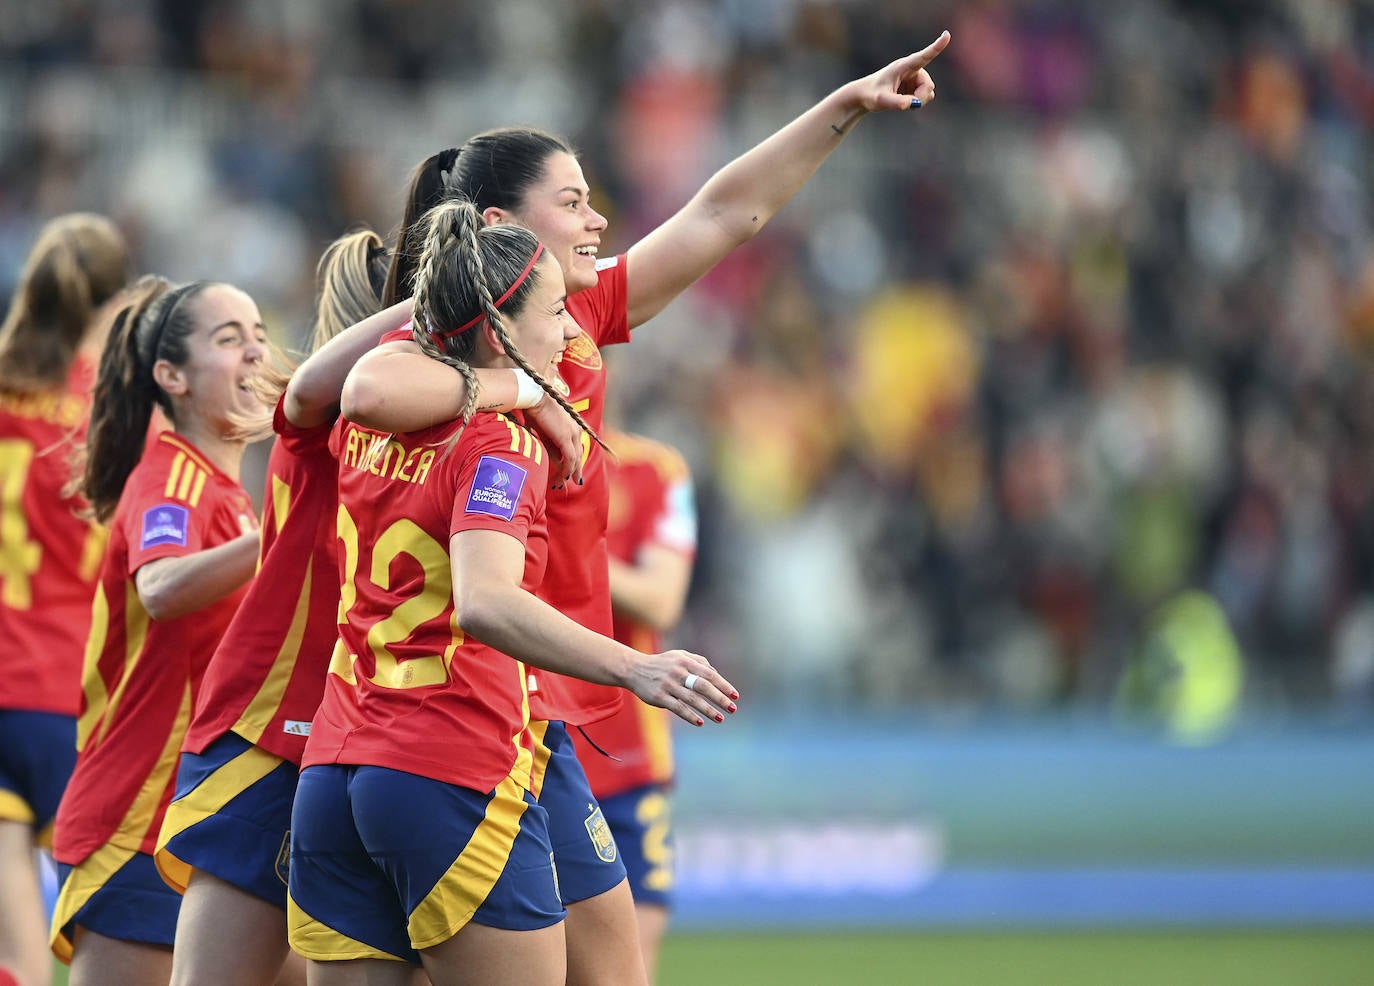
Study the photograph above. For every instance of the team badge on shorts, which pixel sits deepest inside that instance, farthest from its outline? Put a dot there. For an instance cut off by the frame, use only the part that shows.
(601, 835)
(283, 863)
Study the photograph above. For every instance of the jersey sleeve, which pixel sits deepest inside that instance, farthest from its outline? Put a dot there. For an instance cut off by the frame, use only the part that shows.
(603, 312)
(499, 489)
(675, 525)
(298, 440)
(163, 526)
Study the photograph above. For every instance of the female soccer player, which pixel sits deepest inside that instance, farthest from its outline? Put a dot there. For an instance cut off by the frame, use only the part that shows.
(652, 537)
(416, 833)
(49, 343)
(183, 541)
(534, 179)
(224, 839)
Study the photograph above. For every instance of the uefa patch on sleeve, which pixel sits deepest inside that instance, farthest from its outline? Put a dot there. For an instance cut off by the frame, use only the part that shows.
(496, 487)
(165, 524)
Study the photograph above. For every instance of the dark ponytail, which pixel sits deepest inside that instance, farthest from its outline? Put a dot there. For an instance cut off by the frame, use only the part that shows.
(494, 169)
(153, 326)
(428, 187)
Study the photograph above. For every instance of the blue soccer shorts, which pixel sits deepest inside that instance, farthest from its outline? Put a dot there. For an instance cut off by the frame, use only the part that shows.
(385, 863)
(231, 818)
(584, 850)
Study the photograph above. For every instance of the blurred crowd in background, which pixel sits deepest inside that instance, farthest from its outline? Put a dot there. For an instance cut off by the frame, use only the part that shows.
(1053, 393)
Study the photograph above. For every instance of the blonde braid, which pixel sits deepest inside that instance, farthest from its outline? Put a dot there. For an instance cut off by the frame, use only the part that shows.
(499, 327)
(563, 402)
(439, 234)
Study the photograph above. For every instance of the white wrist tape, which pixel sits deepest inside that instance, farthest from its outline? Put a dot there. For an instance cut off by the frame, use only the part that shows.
(529, 393)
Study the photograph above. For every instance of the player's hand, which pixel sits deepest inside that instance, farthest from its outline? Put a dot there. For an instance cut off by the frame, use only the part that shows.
(897, 86)
(561, 436)
(685, 684)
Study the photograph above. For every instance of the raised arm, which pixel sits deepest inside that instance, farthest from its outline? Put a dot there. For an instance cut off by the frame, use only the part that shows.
(738, 200)
(490, 605)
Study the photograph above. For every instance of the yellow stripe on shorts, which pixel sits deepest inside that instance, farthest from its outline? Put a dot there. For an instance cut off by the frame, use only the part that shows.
(540, 765)
(206, 799)
(13, 808)
(81, 885)
(460, 891)
(316, 940)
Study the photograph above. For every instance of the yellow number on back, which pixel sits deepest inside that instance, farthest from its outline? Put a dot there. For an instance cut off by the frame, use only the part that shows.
(404, 537)
(19, 557)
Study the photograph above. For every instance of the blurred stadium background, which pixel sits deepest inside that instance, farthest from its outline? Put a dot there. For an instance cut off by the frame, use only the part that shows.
(1034, 441)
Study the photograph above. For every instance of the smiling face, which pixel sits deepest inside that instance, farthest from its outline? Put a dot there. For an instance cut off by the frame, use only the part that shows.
(543, 326)
(224, 351)
(556, 208)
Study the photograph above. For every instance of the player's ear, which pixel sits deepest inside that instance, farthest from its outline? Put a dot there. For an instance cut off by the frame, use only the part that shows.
(489, 334)
(494, 215)
(170, 378)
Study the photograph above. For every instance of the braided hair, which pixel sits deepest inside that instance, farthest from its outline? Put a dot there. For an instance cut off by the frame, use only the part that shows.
(463, 264)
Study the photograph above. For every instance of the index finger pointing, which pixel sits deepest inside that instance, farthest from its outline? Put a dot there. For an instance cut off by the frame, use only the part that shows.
(927, 54)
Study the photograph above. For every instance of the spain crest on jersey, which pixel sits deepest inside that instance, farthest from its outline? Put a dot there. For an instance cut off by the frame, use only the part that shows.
(583, 352)
(601, 835)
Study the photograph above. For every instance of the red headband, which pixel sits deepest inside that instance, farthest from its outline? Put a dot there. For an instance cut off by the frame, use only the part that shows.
(538, 251)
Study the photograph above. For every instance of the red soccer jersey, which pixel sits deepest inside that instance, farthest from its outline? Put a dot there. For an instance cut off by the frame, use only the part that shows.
(141, 676)
(577, 583)
(406, 689)
(651, 503)
(48, 556)
(268, 672)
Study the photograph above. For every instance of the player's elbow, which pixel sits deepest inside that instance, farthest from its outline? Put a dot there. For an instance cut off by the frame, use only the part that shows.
(161, 601)
(481, 611)
(361, 400)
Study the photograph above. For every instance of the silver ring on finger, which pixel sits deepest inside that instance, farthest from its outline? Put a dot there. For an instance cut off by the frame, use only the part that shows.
(690, 682)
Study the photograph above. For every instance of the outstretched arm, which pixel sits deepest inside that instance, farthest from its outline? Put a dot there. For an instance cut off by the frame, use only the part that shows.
(736, 202)
(489, 604)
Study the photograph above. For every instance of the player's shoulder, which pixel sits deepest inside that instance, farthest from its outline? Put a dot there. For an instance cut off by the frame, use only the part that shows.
(641, 451)
(493, 432)
(175, 470)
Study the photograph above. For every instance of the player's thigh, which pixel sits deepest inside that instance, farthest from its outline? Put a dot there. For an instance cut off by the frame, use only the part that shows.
(23, 929)
(102, 961)
(602, 936)
(216, 920)
(484, 956)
